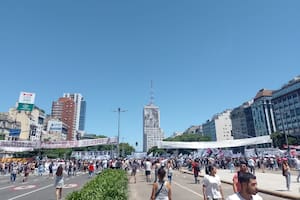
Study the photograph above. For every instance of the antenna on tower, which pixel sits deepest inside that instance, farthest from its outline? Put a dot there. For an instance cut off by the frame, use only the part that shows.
(151, 94)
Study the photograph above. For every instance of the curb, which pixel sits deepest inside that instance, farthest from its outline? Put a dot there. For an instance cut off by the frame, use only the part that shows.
(274, 193)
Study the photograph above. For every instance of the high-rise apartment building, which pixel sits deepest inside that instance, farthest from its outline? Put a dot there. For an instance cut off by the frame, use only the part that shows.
(64, 110)
(242, 121)
(80, 109)
(262, 112)
(286, 104)
(152, 133)
(219, 127)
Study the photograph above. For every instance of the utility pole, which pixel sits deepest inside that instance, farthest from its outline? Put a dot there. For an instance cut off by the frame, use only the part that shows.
(118, 144)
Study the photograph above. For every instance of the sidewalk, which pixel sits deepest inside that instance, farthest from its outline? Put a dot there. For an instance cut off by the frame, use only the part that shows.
(269, 183)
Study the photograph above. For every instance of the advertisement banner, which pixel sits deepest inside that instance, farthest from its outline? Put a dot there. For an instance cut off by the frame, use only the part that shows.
(14, 132)
(27, 97)
(25, 107)
(22, 144)
(54, 126)
(17, 145)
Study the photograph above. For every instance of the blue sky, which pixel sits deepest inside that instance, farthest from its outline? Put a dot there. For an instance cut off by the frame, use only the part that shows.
(202, 56)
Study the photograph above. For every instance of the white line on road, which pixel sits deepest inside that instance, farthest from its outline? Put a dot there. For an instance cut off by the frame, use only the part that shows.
(25, 194)
(7, 187)
(188, 189)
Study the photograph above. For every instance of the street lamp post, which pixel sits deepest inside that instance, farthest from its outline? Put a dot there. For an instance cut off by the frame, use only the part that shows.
(118, 144)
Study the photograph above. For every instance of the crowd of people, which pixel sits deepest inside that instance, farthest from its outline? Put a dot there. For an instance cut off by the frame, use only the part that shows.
(244, 181)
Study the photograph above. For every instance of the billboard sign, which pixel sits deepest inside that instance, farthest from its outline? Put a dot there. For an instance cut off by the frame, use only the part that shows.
(14, 132)
(26, 101)
(54, 126)
(25, 106)
(27, 97)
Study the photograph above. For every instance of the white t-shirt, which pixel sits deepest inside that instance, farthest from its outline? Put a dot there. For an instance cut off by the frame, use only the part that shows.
(148, 166)
(251, 162)
(212, 184)
(237, 196)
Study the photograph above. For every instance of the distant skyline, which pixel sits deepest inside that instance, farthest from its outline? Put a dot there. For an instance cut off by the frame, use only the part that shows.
(203, 57)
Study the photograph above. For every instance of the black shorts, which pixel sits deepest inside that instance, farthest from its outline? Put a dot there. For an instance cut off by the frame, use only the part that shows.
(133, 172)
(147, 172)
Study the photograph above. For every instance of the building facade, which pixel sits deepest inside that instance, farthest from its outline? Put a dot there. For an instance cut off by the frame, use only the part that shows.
(80, 110)
(219, 128)
(32, 123)
(262, 112)
(286, 105)
(64, 110)
(10, 129)
(152, 133)
(56, 130)
(242, 121)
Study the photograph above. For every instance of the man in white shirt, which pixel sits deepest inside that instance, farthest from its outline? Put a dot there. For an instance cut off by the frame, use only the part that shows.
(251, 164)
(148, 165)
(248, 188)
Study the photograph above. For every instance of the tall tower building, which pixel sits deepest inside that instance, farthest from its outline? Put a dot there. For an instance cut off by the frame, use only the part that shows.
(64, 110)
(152, 133)
(151, 127)
(80, 109)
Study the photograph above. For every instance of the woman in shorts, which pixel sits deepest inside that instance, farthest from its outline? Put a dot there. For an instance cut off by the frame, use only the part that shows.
(59, 182)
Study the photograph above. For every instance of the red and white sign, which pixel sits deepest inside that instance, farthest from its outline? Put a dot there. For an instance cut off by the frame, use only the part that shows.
(27, 97)
(24, 187)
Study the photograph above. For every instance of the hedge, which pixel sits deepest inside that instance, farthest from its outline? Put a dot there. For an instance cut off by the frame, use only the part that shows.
(111, 184)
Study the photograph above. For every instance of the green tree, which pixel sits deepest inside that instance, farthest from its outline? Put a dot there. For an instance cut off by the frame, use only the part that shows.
(190, 137)
(279, 140)
(125, 149)
(156, 151)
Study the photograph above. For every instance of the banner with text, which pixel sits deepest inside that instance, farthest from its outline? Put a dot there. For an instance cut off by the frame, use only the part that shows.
(19, 145)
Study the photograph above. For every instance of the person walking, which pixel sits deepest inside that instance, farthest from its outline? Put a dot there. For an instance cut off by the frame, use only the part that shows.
(212, 189)
(297, 160)
(248, 188)
(161, 190)
(286, 173)
(251, 165)
(148, 170)
(196, 170)
(41, 169)
(50, 168)
(14, 172)
(59, 182)
(243, 168)
(169, 171)
(26, 172)
(134, 167)
(91, 169)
